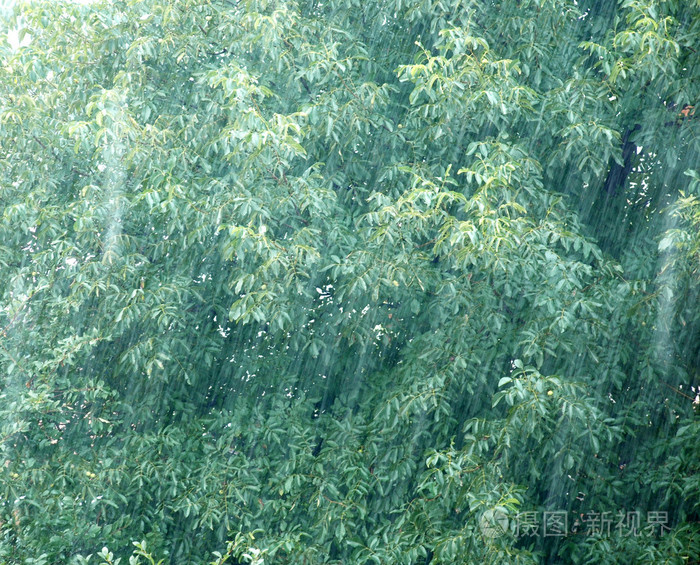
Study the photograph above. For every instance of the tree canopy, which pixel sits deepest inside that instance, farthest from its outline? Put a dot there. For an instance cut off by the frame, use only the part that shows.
(330, 281)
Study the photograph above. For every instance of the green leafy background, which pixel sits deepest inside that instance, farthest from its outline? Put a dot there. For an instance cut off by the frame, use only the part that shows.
(339, 281)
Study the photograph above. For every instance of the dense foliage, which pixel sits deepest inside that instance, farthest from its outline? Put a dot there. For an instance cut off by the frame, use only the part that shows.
(335, 281)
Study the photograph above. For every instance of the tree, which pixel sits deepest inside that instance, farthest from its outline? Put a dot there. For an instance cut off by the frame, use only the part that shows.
(344, 282)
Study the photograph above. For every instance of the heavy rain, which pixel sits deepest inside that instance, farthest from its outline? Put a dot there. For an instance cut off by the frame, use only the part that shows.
(339, 282)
